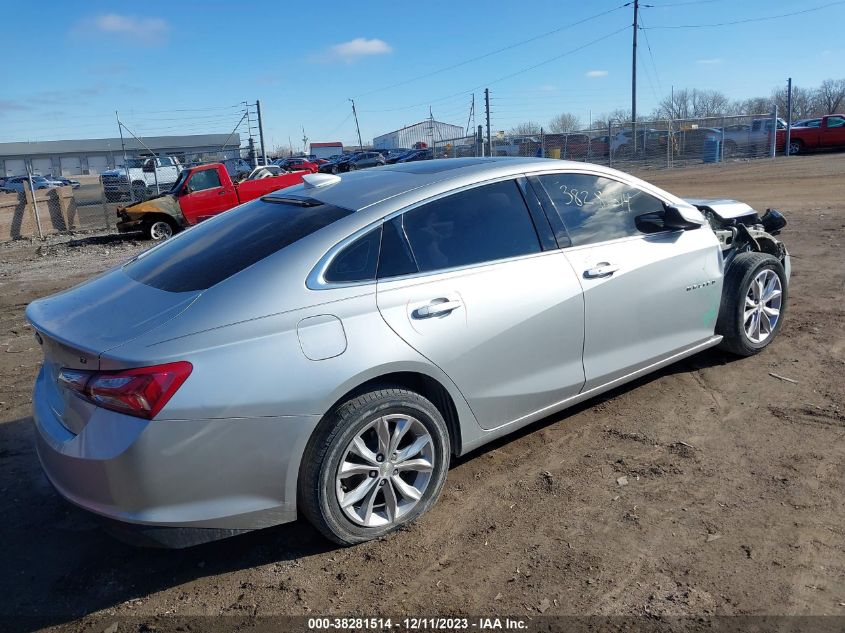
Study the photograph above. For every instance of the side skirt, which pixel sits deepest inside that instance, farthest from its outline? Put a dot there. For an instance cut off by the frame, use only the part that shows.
(499, 431)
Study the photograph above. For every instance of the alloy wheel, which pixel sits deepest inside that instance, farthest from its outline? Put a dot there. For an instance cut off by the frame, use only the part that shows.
(161, 230)
(762, 306)
(385, 470)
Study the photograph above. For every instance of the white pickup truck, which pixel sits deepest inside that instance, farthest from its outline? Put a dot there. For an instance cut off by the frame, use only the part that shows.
(142, 176)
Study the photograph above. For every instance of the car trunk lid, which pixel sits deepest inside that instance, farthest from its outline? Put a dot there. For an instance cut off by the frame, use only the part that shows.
(77, 326)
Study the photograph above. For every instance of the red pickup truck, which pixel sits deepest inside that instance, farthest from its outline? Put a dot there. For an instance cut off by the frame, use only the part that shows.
(830, 132)
(198, 194)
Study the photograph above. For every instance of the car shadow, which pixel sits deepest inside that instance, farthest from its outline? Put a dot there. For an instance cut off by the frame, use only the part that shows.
(59, 565)
(712, 357)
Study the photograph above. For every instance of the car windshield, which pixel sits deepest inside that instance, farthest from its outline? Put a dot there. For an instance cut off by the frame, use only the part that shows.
(223, 246)
(180, 181)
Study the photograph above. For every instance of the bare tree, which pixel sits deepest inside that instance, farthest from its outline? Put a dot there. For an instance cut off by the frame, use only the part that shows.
(529, 128)
(692, 104)
(564, 123)
(830, 96)
(804, 102)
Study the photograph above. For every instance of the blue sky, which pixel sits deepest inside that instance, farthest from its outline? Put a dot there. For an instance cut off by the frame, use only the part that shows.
(184, 67)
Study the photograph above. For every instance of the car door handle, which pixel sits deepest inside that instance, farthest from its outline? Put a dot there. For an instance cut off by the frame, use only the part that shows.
(604, 269)
(437, 309)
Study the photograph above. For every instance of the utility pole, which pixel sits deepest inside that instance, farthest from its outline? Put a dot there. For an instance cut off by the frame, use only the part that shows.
(788, 115)
(357, 127)
(250, 143)
(634, 76)
(261, 130)
(487, 109)
(431, 131)
(304, 140)
(125, 166)
(152, 153)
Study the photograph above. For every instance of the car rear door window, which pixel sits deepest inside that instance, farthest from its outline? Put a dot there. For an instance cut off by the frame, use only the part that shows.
(356, 262)
(395, 258)
(227, 244)
(596, 209)
(474, 226)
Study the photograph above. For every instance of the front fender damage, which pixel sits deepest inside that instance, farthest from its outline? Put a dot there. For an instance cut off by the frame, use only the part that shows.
(133, 216)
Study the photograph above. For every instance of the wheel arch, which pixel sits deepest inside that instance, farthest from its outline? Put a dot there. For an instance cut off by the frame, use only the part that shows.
(425, 385)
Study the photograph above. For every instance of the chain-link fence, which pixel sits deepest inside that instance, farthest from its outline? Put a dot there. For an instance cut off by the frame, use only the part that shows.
(90, 202)
(659, 143)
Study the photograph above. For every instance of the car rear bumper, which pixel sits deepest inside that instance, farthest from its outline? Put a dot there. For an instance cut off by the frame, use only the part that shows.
(218, 476)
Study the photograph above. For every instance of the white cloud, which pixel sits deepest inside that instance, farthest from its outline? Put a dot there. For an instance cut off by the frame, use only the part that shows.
(146, 31)
(596, 73)
(354, 50)
(710, 62)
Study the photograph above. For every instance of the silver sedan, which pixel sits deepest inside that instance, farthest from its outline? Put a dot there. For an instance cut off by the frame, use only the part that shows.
(324, 350)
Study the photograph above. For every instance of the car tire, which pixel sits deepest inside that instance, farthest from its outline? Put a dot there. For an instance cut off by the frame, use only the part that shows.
(334, 169)
(751, 315)
(729, 150)
(328, 499)
(159, 229)
(352, 166)
(796, 146)
(112, 197)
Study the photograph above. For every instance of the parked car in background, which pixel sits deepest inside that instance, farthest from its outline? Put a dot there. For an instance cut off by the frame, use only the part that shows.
(62, 181)
(516, 146)
(297, 164)
(141, 175)
(829, 134)
(807, 122)
(18, 183)
(351, 162)
(422, 311)
(200, 193)
(754, 138)
(415, 155)
(237, 168)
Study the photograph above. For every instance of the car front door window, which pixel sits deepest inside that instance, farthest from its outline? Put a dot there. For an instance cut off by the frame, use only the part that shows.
(597, 209)
(202, 180)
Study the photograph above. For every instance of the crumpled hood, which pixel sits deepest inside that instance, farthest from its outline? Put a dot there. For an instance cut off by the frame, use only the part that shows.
(162, 203)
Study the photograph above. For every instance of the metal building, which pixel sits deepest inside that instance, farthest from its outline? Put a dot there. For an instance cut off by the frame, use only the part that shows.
(428, 132)
(93, 156)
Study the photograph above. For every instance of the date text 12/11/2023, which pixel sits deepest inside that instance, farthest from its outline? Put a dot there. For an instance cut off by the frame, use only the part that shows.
(419, 624)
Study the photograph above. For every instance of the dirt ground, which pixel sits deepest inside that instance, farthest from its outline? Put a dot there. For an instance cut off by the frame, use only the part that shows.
(734, 502)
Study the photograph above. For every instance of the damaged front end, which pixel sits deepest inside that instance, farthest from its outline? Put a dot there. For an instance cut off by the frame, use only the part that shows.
(740, 229)
(136, 217)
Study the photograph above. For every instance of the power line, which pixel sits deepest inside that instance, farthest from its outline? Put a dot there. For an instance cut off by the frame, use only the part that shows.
(651, 54)
(749, 20)
(510, 75)
(491, 53)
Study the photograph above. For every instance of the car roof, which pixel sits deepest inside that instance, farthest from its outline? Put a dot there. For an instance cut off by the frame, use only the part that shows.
(360, 189)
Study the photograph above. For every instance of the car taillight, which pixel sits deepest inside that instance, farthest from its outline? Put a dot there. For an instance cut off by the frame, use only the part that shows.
(141, 392)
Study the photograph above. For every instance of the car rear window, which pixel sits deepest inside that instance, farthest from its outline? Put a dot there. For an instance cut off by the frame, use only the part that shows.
(217, 249)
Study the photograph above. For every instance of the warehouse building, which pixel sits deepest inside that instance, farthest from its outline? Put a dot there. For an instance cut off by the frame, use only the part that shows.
(93, 156)
(429, 132)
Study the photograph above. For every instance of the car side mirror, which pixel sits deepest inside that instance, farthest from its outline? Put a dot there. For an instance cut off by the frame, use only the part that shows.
(671, 218)
(680, 218)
